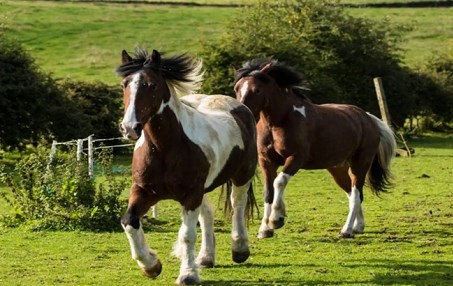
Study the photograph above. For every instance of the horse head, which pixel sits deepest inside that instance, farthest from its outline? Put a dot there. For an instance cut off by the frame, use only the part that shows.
(144, 91)
(253, 88)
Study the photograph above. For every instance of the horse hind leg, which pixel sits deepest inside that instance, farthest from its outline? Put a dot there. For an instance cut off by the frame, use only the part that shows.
(146, 258)
(355, 222)
(239, 238)
(206, 256)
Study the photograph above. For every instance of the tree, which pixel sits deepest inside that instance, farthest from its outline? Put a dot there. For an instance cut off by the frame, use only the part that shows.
(338, 54)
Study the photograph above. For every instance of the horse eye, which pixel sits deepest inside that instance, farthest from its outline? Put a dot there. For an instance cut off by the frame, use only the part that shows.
(152, 85)
(125, 83)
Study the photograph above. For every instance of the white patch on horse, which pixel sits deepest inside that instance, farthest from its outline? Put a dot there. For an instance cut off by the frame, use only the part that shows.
(145, 257)
(243, 90)
(354, 209)
(185, 246)
(211, 126)
(140, 142)
(130, 118)
(278, 205)
(301, 110)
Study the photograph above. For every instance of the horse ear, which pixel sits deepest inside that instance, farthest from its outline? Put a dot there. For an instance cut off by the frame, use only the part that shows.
(125, 58)
(155, 57)
(266, 68)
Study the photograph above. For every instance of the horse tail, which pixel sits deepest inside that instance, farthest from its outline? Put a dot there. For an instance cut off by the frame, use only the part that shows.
(379, 175)
(251, 206)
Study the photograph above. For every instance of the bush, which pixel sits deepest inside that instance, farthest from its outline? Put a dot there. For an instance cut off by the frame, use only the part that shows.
(339, 54)
(61, 195)
(26, 94)
(95, 108)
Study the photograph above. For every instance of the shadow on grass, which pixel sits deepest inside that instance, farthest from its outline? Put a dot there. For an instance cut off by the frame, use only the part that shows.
(393, 272)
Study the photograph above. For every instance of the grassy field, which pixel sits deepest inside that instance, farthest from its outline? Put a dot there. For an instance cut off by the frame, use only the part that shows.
(408, 239)
(409, 234)
(84, 40)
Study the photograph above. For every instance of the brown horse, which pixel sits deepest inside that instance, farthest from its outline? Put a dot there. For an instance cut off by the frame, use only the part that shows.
(297, 134)
(186, 148)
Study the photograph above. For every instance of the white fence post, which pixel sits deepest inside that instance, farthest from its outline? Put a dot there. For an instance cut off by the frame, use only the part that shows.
(90, 156)
(53, 149)
(79, 149)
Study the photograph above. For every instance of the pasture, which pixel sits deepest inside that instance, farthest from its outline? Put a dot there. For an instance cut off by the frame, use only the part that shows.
(84, 40)
(408, 239)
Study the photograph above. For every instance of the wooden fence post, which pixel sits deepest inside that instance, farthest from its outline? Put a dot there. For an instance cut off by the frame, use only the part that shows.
(385, 115)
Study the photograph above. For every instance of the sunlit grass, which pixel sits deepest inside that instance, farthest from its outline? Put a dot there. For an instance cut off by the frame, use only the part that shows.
(408, 238)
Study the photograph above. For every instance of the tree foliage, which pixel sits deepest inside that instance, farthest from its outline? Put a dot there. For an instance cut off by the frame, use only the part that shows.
(35, 106)
(338, 54)
(26, 95)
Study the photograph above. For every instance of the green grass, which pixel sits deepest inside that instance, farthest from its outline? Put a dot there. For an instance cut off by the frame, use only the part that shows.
(408, 239)
(84, 40)
(431, 29)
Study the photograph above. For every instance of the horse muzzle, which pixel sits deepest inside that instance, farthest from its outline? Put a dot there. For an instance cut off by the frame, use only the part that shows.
(131, 131)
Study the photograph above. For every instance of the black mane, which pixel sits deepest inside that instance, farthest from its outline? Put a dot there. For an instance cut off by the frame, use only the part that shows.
(178, 68)
(284, 75)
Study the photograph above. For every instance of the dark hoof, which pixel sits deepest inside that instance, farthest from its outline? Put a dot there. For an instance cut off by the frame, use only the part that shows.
(206, 263)
(189, 281)
(276, 224)
(154, 271)
(240, 257)
(346, 235)
(266, 234)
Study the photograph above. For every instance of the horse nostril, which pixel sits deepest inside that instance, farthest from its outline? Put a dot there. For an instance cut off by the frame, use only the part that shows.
(138, 129)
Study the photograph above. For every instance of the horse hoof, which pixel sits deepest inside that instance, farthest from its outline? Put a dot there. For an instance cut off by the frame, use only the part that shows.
(346, 235)
(266, 234)
(276, 224)
(206, 263)
(154, 271)
(240, 257)
(189, 281)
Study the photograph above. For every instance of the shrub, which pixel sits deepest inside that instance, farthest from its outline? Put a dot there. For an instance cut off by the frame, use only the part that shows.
(339, 54)
(61, 196)
(25, 96)
(34, 106)
(97, 106)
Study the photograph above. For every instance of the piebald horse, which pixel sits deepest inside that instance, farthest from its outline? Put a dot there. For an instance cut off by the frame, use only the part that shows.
(188, 145)
(354, 146)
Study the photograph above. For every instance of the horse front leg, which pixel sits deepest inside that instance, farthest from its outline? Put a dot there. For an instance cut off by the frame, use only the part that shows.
(278, 212)
(240, 242)
(269, 172)
(206, 256)
(185, 248)
(139, 203)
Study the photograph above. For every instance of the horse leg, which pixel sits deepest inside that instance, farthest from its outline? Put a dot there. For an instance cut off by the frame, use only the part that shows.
(139, 203)
(269, 173)
(355, 218)
(277, 217)
(206, 256)
(239, 238)
(341, 177)
(278, 213)
(185, 248)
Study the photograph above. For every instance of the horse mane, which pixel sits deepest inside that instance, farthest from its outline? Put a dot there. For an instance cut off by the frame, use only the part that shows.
(181, 72)
(284, 75)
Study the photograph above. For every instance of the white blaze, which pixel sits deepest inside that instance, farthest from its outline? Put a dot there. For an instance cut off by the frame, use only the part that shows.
(243, 90)
(130, 118)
